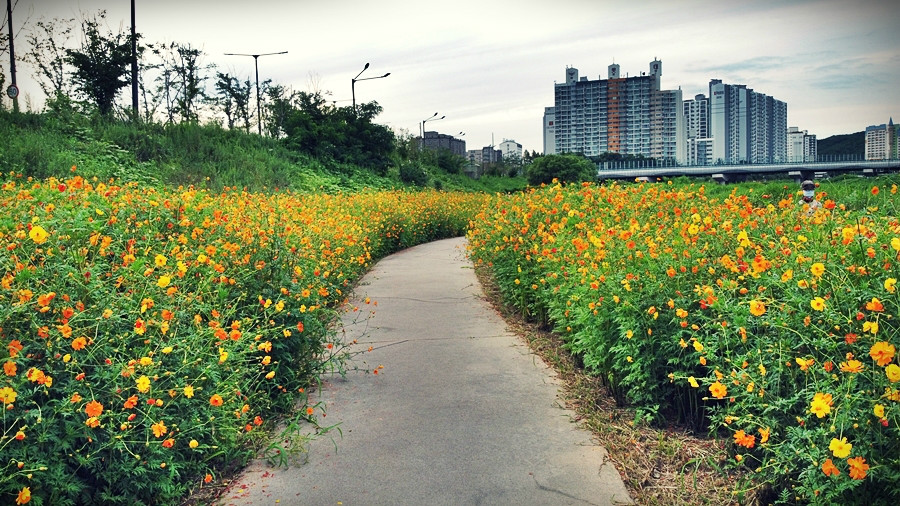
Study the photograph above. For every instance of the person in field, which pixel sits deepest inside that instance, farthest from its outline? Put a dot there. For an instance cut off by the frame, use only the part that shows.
(808, 202)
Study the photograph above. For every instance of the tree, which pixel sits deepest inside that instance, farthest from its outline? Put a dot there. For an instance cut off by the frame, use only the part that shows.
(47, 55)
(102, 64)
(234, 98)
(565, 168)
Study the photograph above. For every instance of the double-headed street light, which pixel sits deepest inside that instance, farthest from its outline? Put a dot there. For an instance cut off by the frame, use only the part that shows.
(353, 84)
(432, 118)
(256, 64)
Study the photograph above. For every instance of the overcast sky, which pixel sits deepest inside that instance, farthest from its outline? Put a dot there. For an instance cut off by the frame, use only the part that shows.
(489, 66)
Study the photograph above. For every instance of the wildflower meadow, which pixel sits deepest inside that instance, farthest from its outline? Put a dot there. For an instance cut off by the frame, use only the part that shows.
(741, 313)
(149, 335)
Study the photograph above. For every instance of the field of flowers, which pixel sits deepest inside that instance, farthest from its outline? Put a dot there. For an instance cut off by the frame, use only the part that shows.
(149, 334)
(742, 313)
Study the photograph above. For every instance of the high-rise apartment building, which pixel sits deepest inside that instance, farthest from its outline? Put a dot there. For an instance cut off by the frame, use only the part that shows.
(801, 146)
(746, 126)
(549, 130)
(696, 128)
(629, 116)
(881, 141)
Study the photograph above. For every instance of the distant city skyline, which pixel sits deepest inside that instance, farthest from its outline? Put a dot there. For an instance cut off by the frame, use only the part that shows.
(489, 67)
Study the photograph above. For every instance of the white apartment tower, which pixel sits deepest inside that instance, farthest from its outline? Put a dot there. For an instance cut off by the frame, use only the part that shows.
(696, 127)
(801, 146)
(549, 130)
(746, 126)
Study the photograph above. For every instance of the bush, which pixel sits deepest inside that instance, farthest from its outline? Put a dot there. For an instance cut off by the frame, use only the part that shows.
(563, 168)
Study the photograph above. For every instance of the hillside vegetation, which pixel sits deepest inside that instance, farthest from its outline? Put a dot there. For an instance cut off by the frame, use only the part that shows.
(49, 144)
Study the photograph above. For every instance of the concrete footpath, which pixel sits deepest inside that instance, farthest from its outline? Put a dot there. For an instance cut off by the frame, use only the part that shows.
(462, 412)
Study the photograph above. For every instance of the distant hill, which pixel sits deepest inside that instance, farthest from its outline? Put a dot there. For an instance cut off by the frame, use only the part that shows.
(845, 144)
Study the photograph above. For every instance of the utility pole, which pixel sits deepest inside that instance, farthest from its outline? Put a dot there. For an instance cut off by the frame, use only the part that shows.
(134, 66)
(13, 90)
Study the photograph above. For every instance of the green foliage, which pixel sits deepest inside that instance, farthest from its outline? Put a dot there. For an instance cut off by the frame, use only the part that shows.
(846, 144)
(412, 173)
(101, 65)
(564, 168)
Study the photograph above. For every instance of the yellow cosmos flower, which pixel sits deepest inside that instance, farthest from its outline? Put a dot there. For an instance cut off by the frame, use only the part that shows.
(757, 308)
(821, 404)
(38, 234)
(893, 372)
(895, 243)
(693, 382)
(143, 384)
(818, 304)
(163, 281)
(160, 260)
(878, 411)
(787, 275)
(189, 391)
(817, 269)
(193, 443)
(890, 284)
(698, 347)
(840, 448)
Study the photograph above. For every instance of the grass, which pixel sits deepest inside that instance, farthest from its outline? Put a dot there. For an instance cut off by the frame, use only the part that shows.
(659, 465)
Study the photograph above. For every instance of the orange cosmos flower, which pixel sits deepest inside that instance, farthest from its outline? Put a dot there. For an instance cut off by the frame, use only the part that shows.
(718, 390)
(875, 190)
(216, 400)
(874, 305)
(858, 467)
(829, 468)
(14, 346)
(852, 366)
(24, 495)
(159, 429)
(882, 353)
(745, 440)
(763, 434)
(9, 367)
(131, 402)
(79, 343)
(93, 409)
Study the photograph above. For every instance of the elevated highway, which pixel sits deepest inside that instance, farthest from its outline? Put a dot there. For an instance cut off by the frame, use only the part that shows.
(730, 173)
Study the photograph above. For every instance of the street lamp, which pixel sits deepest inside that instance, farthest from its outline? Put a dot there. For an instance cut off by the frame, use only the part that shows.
(423, 126)
(353, 84)
(256, 64)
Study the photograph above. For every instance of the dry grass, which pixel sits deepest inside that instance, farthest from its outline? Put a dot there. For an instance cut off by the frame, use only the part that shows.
(659, 465)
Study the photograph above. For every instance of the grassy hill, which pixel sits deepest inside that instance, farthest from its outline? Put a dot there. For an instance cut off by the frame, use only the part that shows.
(49, 144)
(845, 144)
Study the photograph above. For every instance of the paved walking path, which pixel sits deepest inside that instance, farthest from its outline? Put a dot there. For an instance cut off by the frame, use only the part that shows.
(462, 412)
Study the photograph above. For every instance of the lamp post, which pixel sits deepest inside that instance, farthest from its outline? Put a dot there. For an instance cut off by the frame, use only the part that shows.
(256, 64)
(353, 84)
(13, 90)
(433, 117)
